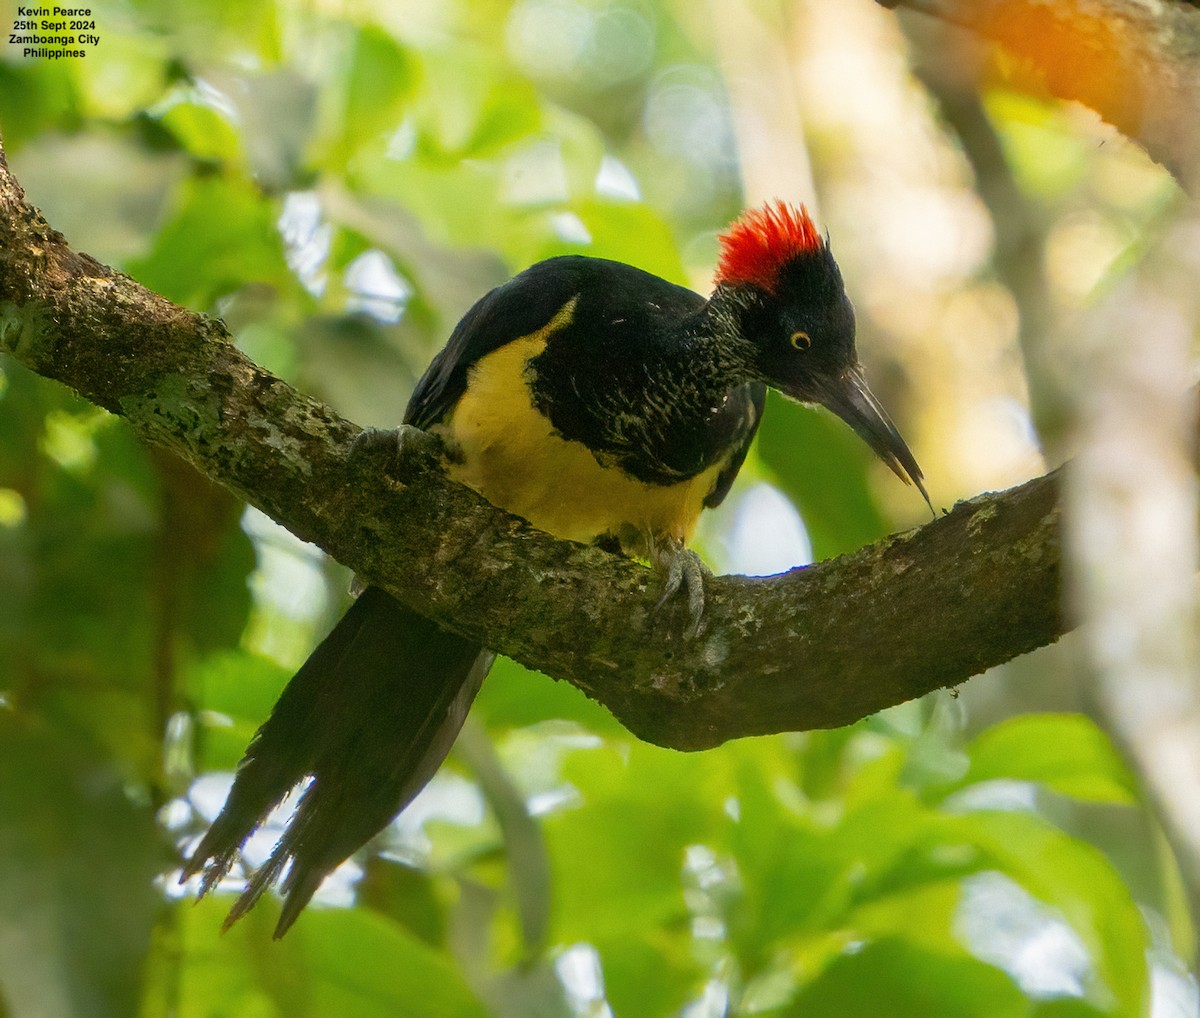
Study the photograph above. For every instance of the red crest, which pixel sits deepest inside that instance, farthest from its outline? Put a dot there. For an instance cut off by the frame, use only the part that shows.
(762, 240)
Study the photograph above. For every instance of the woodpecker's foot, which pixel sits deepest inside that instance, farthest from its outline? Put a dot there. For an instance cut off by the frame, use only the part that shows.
(409, 445)
(681, 568)
(370, 439)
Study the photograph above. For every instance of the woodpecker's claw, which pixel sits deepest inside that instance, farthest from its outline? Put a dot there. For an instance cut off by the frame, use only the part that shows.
(370, 439)
(407, 444)
(681, 567)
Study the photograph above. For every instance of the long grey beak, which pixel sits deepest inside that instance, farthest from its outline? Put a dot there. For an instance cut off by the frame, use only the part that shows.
(849, 398)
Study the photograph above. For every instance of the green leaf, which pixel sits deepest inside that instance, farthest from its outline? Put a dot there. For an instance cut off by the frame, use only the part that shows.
(36, 96)
(794, 886)
(801, 868)
(824, 468)
(896, 978)
(203, 132)
(372, 80)
(335, 961)
(221, 237)
(922, 914)
(1075, 878)
(1046, 157)
(514, 696)
(618, 857)
(1067, 753)
(202, 28)
(1066, 1007)
(510, 112)
(235, 691)
(405, 895)
(457, 204)
(78, 857)
(122, 75)
(461, 89)
(236, 683)
(78, 616)
(652, 975)
(633, 233)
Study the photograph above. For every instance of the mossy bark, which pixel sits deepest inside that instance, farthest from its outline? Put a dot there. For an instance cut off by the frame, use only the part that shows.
(812, 648)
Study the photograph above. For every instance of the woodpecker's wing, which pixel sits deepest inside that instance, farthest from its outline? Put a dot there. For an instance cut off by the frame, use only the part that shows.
(754, 397)
(620, 315)
(521, 306)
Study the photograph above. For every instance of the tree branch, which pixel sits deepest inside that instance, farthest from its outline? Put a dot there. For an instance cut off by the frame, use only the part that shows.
(812, 648)
(1134, 63)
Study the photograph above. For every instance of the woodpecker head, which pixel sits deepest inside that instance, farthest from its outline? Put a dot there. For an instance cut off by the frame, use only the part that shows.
(776, 270)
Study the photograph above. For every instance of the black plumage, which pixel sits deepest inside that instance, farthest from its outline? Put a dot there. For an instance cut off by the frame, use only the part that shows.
(604, 404)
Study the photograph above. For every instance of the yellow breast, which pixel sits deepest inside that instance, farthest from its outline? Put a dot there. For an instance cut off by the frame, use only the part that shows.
(512, 456)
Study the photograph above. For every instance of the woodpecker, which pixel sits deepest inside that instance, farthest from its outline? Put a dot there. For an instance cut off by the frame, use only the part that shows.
(602, 404)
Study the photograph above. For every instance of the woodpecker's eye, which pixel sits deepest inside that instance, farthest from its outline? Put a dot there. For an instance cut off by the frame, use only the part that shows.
(801, 340)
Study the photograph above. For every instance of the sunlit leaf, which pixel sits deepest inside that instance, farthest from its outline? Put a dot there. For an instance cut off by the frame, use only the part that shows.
(514, 696)
(202, 131)
(1065, 752)
(641, 808)
(895, 978)
(630, 232)
(923, 915)
(121, 76)
(335, 961)
(1075, 878)
(221, 237)
(651, 975)
(374, 76)
(199, 28)
(234, 692)
(1046, 158)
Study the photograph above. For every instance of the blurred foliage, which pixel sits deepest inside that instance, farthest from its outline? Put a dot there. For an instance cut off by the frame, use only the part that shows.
(339, 182)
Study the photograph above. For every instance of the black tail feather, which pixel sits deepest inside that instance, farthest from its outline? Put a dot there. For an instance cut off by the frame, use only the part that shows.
(370, 715)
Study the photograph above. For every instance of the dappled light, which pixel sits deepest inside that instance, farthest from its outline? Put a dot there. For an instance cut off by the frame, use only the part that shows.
(339, 182)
